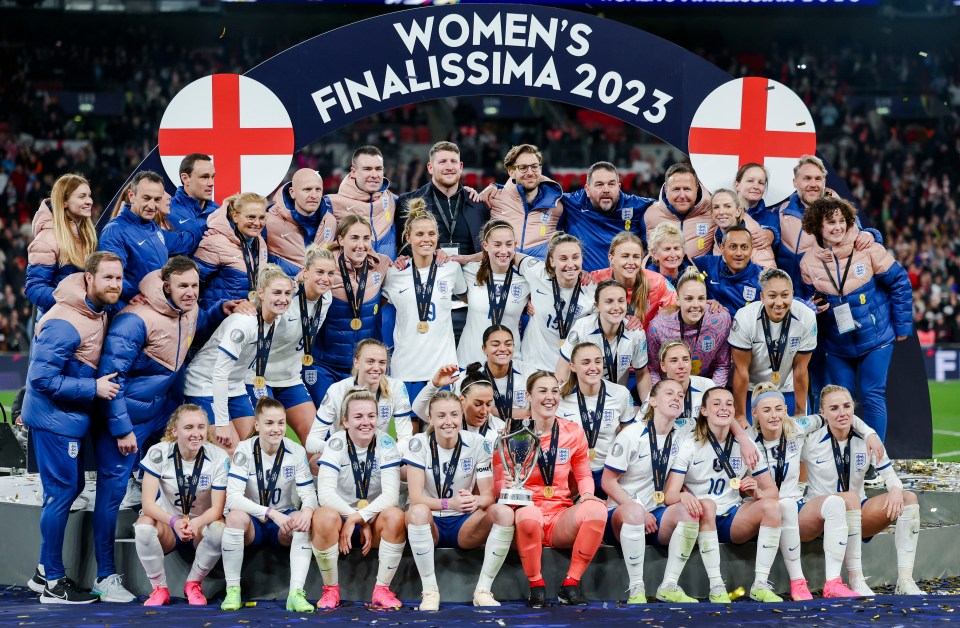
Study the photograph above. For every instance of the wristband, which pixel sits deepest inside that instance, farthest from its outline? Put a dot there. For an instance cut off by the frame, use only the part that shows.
(444, 504)
(267, 514)
(173, 523)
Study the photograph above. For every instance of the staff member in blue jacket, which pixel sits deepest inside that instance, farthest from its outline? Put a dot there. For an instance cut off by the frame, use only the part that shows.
(600, 211)
(193, 200)
(62, 383)
(146, 346)
(732, 279)
(136, 238)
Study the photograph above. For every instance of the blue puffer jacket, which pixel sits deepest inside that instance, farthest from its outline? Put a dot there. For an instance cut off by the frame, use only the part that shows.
(223, 272)
(143, 246)
(877, 289)
(184, 209)
(732, 291)
(596, 228)
(61, 378)
(336, 341)
(44, 270)
(147, 346)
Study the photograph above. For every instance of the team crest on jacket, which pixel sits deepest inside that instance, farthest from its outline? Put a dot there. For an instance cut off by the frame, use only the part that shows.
(288, 472)
(859, 270)
(702, 229)
(563, 455)
(861, 460)
(204, 482)
(160, 235)
(327, 234)
(73, 449)
(385, 201)
(310, 376)
(749, 293)
(377, 278)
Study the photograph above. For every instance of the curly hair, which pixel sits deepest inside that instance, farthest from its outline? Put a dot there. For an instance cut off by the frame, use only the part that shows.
(822, 209)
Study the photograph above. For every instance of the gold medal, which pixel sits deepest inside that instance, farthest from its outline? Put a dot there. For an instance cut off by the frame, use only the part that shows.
(775, 378)
(548, 492)
(355, 324)
(423, 327)
(252, 295)
(695, 367)
(362, 504)
(307, 360)
(659, 497)
(593, 453)
(259, 382)
(734, 483)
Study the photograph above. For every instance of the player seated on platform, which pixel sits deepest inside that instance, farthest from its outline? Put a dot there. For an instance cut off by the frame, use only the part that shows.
(266, 471)
(446, 465)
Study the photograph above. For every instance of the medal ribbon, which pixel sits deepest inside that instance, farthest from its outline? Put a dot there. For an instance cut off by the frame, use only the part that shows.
(251, 257)
(309, 325)
(424, 292)
(264, 342)
(361, 476)
(499, 305)
(841, 459)
(504, 403)
(354, 299)
(779, 458)
(564, 321)
(609, 360)
(266, 483)
(547, 460)
(659, 458)
(187, 487)
(775, 350)
(723, 453)
(591, 420)
(444, 487)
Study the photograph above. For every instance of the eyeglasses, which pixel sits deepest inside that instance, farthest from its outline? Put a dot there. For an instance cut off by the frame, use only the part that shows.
(528, 167)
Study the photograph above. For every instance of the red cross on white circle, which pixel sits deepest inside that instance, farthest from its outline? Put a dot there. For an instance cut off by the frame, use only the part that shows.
(236, 120)
(751, 120)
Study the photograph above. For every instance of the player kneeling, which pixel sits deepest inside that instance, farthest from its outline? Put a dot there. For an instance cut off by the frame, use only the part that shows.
(444, 512)
(837, 455)
(710, 464)
(266, 470)
(358, 487)
(184, 488)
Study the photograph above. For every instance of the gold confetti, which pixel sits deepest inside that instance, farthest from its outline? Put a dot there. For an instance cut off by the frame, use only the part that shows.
(923, 54)
(223, 32)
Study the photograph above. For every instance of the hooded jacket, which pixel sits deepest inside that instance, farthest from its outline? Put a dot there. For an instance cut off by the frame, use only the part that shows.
(286, 238)
(220, 258)
(147, 346)
(877, 290)
(697, 225)
(185, 209)
(379, 208)
(61, 378)
(534, 222)
(764, 258)
(45, 271)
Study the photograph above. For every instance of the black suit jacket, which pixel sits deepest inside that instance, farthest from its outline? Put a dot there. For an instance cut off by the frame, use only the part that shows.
(476, 214)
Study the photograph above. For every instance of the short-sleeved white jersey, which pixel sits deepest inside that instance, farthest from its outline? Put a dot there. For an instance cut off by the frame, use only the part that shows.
(631, 351)
(475, 462)
(396, 407)
(294, 479)
(691, 401)
(470, 348)
(705, 478)
(234, 341)
(823, 477)
(747, 334)
(335, 455)
(286, 352)
(416, 357)
(631, 457)
(617, 410)
(158, 462)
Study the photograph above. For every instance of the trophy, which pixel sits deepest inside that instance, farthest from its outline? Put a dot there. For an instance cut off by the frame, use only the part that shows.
(518, 453)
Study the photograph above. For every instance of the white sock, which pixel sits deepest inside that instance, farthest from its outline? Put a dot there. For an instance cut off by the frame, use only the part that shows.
(421, 544)
(208, 552)
(633, 541)
(43, 572)
(682, 540)
(495, 552)
(790, 538)
(834, 535)
(905, 539)
(710, 553)
(232, 556)
(854, 545)
(327, 560)
(150, 553)
(390, 554)
(299, 559)
(768, 544)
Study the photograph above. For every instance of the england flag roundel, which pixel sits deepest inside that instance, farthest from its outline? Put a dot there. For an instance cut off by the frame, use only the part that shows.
(236, 120)
(751, 120)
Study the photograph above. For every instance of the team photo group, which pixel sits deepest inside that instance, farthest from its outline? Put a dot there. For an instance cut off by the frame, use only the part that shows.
(333, 371)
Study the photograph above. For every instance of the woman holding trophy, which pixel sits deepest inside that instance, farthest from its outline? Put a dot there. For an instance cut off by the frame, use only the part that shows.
(546, 460)
(444, 466)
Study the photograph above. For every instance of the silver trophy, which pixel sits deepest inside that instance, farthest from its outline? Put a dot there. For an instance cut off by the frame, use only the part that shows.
(518, 453)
